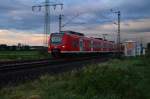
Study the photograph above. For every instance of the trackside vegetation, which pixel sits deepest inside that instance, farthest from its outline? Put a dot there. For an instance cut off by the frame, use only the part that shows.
(117, 79)
(22, 55)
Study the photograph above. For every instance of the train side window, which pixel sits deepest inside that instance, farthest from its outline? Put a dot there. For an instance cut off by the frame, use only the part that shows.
(99, 45)
(102, 45)
(75, 44)
(105, 45)
(81, 44)
(91, 45)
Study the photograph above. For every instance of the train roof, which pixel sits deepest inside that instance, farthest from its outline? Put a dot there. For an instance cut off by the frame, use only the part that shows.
(112, 41)
(99, 38)
(72, 32)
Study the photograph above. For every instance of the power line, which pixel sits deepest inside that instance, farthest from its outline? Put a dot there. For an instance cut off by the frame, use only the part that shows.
(71, 19)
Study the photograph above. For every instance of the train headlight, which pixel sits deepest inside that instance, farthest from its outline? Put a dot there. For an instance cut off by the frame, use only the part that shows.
(63, 46)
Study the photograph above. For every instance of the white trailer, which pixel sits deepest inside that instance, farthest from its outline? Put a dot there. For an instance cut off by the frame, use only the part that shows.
(130, 48)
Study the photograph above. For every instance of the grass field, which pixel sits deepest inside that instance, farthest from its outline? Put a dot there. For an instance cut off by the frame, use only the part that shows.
(116, 79)
(21, 55)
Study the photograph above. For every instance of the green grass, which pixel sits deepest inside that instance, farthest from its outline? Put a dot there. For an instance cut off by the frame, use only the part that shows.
(116, 79)
(21, 55)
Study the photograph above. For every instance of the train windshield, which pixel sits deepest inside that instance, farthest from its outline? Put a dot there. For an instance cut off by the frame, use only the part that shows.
(56, 38)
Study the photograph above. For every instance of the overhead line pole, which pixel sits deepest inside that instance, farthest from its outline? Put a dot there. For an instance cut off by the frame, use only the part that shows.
(47, 21)
(60, 23)
(119, 47)
(118, 35)
(47, 6)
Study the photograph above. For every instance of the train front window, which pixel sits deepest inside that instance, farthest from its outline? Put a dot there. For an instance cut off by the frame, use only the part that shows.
(56, 38)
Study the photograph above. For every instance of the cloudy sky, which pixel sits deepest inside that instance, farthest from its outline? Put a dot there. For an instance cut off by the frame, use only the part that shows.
(19, 24)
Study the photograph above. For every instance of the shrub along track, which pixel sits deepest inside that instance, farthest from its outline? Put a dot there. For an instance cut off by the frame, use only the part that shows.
(12, 73)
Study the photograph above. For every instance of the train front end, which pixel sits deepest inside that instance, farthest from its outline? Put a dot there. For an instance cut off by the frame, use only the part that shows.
(56, 44)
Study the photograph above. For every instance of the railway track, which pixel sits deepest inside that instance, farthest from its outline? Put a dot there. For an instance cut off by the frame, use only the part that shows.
(12, 66)
(20, 61)
(14, 73)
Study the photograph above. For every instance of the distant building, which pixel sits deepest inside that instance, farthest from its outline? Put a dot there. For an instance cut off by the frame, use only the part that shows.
(130, 48)
(133, 48)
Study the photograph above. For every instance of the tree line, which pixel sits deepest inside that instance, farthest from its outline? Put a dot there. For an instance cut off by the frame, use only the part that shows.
(20, 47)
(5, 47)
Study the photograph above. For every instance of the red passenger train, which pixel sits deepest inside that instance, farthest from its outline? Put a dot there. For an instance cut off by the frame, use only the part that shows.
(74, 43)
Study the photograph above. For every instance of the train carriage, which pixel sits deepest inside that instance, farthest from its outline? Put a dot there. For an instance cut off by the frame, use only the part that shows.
(73, 43)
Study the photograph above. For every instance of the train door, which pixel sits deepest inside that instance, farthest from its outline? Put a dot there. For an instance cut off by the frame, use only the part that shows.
(92, 45)
(102, 46)
(81, 44)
